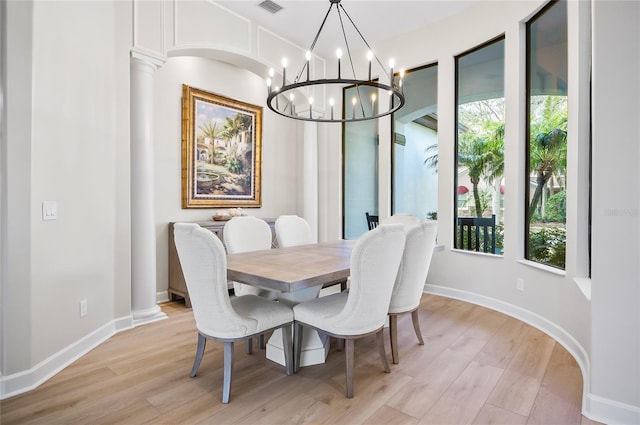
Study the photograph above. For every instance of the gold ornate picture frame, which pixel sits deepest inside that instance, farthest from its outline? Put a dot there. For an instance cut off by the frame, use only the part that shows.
(221, 151)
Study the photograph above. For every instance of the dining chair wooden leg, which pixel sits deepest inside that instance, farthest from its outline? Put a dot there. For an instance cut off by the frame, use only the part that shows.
(297, 346)
(349, 354)
(393, 336)
(202, 342)
(288, 348)
(261, 343)
(249, 349)
(340, 344)
(383, 354)
(416, 326)
(228, 366)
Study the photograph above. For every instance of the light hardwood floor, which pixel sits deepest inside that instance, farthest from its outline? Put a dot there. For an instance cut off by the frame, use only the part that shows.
(477, 366)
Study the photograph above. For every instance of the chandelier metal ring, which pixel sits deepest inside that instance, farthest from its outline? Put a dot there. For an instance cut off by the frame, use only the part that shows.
(288, 111)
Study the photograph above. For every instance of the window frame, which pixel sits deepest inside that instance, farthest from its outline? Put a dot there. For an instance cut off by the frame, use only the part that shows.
(527, 164)
(497, 38)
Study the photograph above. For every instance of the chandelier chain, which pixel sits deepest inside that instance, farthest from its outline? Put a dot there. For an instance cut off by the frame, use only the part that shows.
(346, 43)
(315, 40)
(362, 37)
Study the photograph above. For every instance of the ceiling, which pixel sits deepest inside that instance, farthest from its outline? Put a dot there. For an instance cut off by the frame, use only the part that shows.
(300, 20)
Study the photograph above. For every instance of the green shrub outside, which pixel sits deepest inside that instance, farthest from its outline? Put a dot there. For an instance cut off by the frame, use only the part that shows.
(556, 207)
(547, 245)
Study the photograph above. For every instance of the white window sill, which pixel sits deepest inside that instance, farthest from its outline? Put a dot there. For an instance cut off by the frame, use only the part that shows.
(483, 254)
(584, 283)
(539, 266)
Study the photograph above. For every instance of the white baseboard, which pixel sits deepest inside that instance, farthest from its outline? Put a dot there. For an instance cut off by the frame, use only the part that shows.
(27, 380)
(610, 411)
(162, 297)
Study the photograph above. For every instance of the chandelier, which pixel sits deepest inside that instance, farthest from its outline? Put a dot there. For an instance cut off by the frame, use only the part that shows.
(368, 101)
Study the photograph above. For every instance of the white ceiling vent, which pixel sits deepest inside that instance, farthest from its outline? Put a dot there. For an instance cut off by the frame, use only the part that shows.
(270, 6)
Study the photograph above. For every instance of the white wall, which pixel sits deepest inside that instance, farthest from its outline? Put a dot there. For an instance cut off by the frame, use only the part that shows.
(16, 227)
(615, 315)
(281, 144)
(68, 141)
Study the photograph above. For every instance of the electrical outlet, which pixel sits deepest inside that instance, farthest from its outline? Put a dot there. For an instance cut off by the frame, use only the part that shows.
(520, 284)
(83, 308)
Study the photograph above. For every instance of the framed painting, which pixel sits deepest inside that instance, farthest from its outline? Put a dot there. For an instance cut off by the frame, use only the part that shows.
(221, 151)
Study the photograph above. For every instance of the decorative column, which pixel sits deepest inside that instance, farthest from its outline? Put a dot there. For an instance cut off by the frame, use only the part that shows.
(310, 176)
(144, 308)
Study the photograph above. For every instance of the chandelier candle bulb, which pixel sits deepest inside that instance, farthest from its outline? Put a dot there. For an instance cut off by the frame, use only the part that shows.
(391, 65)
(339, 55)
(331, 106)
(284, 72)
(353, 108)
(373, 104)
(310, 107)
(277, 96)
(308, 57)
(269, 85)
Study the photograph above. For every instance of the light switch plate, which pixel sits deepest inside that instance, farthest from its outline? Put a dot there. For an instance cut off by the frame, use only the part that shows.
(49, 210)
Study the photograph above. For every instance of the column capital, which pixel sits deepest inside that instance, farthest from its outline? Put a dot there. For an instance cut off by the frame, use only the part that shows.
(147, 58)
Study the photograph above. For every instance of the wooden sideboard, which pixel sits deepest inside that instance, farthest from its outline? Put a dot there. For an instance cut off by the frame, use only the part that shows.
(177, 285)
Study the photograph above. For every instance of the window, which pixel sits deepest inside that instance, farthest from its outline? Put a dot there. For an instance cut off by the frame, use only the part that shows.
(360, 167)
(479, 186)
(415, 146)
(546, 166)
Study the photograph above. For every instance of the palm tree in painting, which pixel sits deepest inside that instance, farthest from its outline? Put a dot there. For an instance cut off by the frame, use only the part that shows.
(210, 130)
(236, 130)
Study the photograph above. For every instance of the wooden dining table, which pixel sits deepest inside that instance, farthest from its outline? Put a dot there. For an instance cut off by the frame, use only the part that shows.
(297, 273)
(293, 268)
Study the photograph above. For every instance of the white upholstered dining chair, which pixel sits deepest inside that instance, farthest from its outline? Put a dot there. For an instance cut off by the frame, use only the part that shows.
(217, 316)
(292, 230)
(410, 281)
(362, 311)
(246, 234)
(407, 220)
